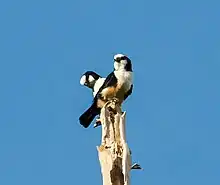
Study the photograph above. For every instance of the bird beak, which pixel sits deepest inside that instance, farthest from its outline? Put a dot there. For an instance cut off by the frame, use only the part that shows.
(117, 60)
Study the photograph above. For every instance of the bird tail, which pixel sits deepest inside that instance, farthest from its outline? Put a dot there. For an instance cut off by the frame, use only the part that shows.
(87, 117)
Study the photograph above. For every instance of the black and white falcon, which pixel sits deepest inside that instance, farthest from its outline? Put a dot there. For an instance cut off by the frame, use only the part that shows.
(118, 84)
(92, 80)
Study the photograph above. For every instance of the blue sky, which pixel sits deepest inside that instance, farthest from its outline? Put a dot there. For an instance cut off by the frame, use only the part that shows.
(172, 116)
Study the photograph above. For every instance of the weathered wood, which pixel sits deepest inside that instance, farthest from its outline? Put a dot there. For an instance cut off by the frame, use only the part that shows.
(114, 153)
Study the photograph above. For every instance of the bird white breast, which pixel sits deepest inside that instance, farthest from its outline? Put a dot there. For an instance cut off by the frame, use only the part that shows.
(97, 85)
(116, 66)
(125, 79)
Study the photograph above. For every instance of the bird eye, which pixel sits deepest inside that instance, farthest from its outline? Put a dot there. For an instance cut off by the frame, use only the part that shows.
(118, 59)
(123, 58)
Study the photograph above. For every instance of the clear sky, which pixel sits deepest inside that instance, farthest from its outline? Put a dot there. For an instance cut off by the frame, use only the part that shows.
(173, 117)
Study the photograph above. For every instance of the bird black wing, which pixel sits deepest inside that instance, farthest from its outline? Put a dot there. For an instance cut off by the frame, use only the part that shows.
(110, 80)
(129, 92)
(87, 117)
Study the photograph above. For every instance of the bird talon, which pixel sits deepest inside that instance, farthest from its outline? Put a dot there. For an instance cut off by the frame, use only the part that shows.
(97, 123)
(115, 100)
(112, 110)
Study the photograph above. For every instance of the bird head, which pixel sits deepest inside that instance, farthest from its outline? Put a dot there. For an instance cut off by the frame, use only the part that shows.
(89, 78)
(122, 62)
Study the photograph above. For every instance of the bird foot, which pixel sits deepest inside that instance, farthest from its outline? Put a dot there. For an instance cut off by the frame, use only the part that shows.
(111, 109)
(97, 123)
(115, 100)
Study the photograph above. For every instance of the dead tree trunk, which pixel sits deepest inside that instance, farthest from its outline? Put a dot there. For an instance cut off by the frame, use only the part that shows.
(114, 153)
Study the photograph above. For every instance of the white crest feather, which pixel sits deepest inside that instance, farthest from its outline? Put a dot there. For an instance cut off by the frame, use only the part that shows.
(118, 56)
(83, 80)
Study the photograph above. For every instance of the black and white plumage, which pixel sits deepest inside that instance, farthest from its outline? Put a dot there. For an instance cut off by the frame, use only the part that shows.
(118, 84)
(92, 80)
